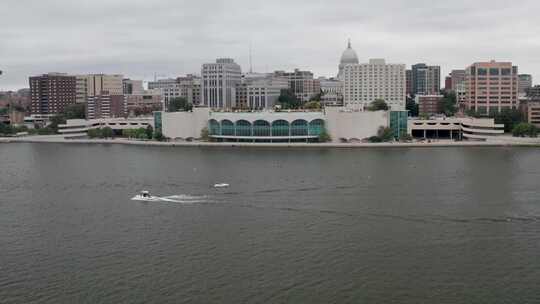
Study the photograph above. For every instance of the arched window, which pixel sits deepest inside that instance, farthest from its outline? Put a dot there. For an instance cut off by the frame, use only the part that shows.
(280, 128)
(315, 127)
(227, 127)
(243, 128)
(214, 127)
(299, 128)
(261, 128)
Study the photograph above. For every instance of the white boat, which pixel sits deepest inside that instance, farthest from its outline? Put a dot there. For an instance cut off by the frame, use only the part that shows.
(222, 185)
(145, 196)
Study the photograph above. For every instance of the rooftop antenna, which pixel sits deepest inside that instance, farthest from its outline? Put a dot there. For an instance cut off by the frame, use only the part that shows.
(250, 60)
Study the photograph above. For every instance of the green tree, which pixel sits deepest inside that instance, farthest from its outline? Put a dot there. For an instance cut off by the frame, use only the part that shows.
(107, 132)
(176, 104)
(75, 111)
(404, 137)
(312, 105)
(324, 136)
(525, 129)
(385, 134)
(5, 129)
(140, 133)
(149, 132)
(412, 107)
(509, 117)
(205, 135)
(449, 103)
(94, 133)
(159, 136)
(378, 105)
(288, 100)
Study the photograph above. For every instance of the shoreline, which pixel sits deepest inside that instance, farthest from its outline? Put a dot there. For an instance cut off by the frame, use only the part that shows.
(60, 139)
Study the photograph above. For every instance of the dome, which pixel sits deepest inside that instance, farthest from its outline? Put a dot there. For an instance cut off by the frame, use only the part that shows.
(349, 56)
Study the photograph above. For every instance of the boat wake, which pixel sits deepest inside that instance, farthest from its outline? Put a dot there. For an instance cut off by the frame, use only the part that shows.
(181, 199)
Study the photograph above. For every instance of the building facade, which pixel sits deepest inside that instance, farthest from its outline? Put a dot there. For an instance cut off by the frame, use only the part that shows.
(408, 83)
(525, 83)
(531, 111)
(426, 80)
(51, 93)
(143, 104)
(348, 57)
(331, 92)
(259, 91)
(429, 104)
(491, 87)
(364, 83)
(94, 84)
(301, 83)
(219, 82)
(105, 105)
(457, 78)
(132, 86)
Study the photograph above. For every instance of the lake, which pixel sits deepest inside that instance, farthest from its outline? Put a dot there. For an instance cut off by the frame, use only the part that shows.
(403, 225)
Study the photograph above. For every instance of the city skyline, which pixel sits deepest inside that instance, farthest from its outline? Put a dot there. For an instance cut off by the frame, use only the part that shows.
(172, 38)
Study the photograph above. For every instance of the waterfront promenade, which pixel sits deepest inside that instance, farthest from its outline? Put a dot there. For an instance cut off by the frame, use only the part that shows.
(498, 142)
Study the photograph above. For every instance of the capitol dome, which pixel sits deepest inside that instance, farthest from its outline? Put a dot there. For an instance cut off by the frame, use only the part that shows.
(349, 56)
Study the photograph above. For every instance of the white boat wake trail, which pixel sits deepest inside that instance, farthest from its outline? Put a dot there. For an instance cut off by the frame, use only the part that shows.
(181, 199)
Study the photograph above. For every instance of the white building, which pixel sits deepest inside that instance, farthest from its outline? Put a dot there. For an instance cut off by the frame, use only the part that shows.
(219, 82)
(133, 86)
(331, 91)
(348, 57)
(366, 82)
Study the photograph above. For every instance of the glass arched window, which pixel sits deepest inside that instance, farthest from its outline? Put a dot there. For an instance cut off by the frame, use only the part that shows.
(280, 128)
(299, 128)
(215, 128)
(261, 128)
(243, 128)
(316, 126)
(227, 127)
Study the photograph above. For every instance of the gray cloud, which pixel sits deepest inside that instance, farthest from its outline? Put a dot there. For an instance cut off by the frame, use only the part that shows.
(171, 37)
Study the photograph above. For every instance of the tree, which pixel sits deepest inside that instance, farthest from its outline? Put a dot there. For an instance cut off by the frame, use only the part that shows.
(75, 111)
(449, 103)
(149, 132)
(5, 129)
(159, 136)
(140, 133)
(378, 105)
(324, 136)
(525, 129)
(107, 132)
(509, 117)
(312, 105)
(288, 100)
(385, 134)
(94, 133)
(176, 104)
(55, 121)
(404, 137)
(205, 135)
(412, 107)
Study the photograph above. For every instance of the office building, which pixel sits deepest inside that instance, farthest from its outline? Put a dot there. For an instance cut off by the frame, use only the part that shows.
(525, 83)
(426, 80)
(448, 83)
(331, 91)
(94, 84)
(491, 87)
(219, 82)
(408, 83)
(457, 78)
(301, 83)
(105, 106)
(51, 93)
(145, 103)
(260, 91)
(429, 104)
(161, 83)
(366, 82)
(132, 86)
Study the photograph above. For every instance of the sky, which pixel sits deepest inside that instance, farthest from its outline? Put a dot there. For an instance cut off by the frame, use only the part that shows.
(168, 38)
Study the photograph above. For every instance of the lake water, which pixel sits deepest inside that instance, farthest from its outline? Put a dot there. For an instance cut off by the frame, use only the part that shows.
(441, 225)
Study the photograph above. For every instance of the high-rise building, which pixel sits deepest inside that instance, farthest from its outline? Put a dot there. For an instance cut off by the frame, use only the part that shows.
(94, 84)
(408, 83)
(458, 78)
(525, 83)
(534, 92)
(145, 103)
(219, 82)
(301, 83)
(429, 104)
(426, 80)
(105, 106)
(260, 91)
(366, 82)
(161, 83)
(491, 87)
(51, 93)
(448, 83)
(132, 86)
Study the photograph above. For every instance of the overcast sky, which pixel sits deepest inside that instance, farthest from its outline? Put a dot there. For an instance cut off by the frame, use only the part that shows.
(174, 37)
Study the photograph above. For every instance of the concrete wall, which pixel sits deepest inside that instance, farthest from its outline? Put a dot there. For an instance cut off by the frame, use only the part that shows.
(349, 125)
(185, 124)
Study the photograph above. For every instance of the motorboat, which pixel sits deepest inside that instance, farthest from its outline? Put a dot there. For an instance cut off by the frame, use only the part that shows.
(145, 196)
(222, 185)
